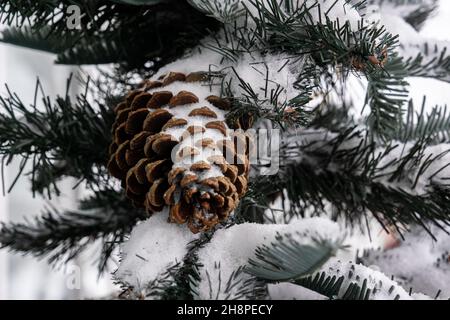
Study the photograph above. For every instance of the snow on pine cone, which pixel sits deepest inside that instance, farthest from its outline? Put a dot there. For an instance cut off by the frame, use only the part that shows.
(172, 147)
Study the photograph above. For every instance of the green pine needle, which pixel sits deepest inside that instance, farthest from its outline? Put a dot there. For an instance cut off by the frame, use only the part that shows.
(287, 260)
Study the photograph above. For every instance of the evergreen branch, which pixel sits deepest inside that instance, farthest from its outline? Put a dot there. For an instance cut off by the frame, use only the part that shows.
(330, 286)
(161, 288)
(415, 275)
(414, 12)
(108, 31)
(345, 170)
(295, 31)
(42, 14)
(359, 5)
(38, 39)
(432, 61)
(386, 96)
(434, 126)
(179, 282)
(95, 14)
(70, 49)
(225, 11)
(237, 286)
(98, 51)
(251, 208)
(265, 103)
(348, 281)
(286, 259)
(107, 215)
(166, 32)
(65, 138)
(367, 50)
(418, 17)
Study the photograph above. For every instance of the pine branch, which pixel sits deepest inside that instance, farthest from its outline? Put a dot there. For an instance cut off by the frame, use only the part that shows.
(178, 282)
(107, 215)
(418, 17)
(345, 170)
(431, 61)
(295, 31)
(425, 275)
(70, 49)
(414, 12)
(66, 138)
(225, 11)
(132, 35)
(386, 95)
(266, 103)
(434, 126)
(41, 39)
(369, 50)
(98, 51)
(349, 281)
(330, 286)
(96, 14)
(286, 259)
(233, 287)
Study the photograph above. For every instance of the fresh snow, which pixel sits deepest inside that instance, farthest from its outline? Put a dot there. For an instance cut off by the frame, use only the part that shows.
(418, 262)
(382, 287)
(289, 291)
(230, 249)
(154, 246)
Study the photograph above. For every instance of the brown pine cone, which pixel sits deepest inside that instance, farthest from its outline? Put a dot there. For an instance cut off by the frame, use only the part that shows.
(172, 147)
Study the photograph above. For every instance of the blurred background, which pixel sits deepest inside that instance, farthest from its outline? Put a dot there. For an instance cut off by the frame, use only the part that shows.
(25, 277)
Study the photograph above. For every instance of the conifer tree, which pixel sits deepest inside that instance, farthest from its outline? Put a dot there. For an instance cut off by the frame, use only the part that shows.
(226, 152)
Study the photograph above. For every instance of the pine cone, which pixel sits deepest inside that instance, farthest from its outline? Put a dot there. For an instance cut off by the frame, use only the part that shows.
(172, 147)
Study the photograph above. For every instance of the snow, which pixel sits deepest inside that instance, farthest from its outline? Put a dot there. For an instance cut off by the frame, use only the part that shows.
(418, 262)
(349, 92)
(413, 43)
(434, 26)
(154, 246)
(396, 7)
(332, 9)
(382, 287)
(232, 248)
(263, 73)
(289, 291)
(335, 10)
(267, 73)
(198, 59)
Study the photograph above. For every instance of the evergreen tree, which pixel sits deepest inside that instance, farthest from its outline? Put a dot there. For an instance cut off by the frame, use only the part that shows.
(275, 224)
